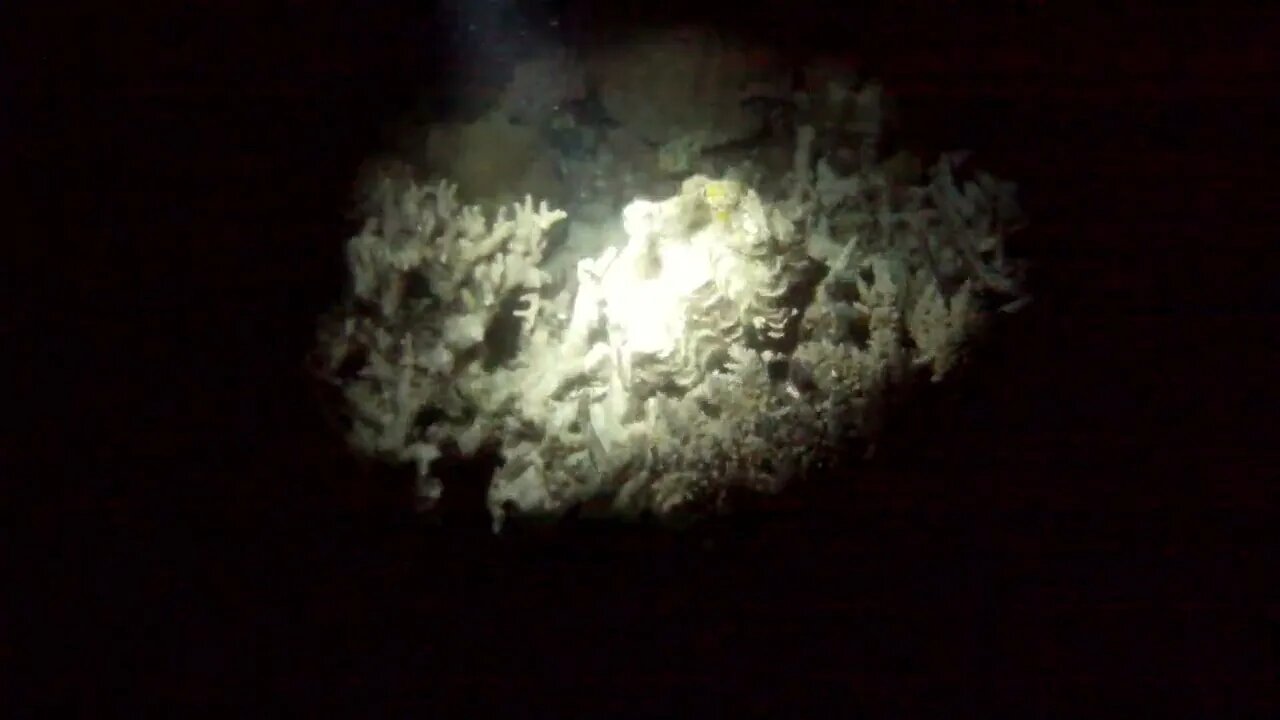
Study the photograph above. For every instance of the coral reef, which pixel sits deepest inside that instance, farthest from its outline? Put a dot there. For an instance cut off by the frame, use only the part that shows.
(726, 332)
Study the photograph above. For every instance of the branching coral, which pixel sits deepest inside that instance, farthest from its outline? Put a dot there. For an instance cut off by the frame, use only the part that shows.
(433, 275)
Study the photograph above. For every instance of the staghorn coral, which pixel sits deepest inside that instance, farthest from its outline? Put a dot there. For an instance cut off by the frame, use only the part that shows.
(416, 346)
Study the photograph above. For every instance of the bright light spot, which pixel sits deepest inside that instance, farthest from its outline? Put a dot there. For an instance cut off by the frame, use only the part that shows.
(646, 290)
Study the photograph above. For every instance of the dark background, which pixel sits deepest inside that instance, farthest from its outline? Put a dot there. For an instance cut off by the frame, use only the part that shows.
(1079, 525)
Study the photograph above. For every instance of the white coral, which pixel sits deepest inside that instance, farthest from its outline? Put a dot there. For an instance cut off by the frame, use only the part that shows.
(729, 342)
